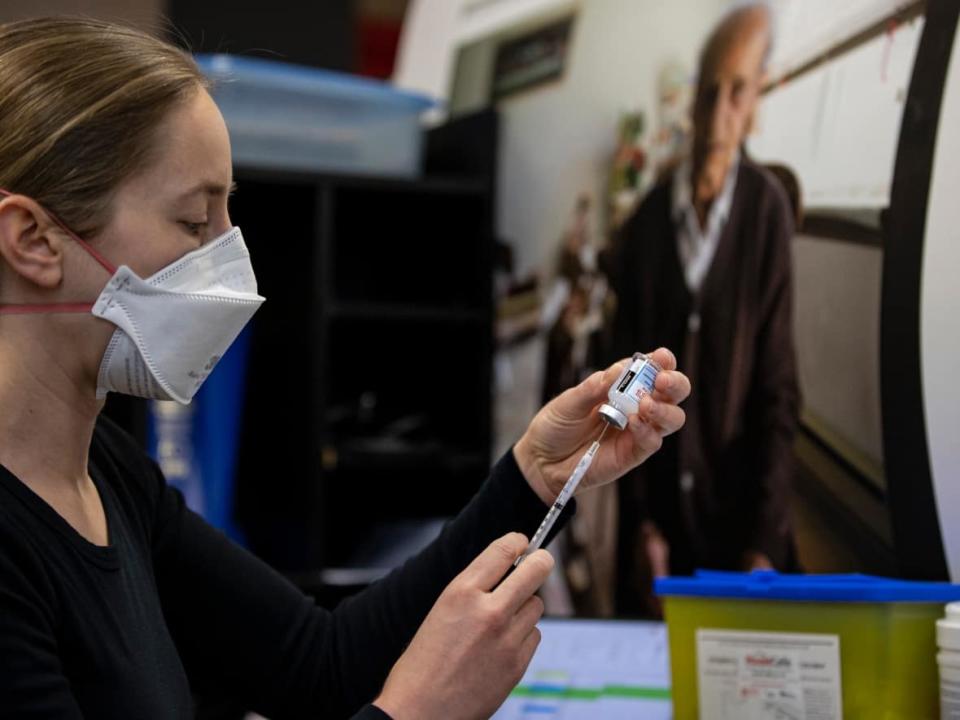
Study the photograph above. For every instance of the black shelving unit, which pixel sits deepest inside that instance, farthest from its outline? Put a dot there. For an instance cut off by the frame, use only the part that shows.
(369, 381)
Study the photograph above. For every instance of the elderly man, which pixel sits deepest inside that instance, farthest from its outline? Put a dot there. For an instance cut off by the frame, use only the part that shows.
(705, 267)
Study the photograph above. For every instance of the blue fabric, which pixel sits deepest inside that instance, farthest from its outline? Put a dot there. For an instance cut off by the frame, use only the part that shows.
(196, 445)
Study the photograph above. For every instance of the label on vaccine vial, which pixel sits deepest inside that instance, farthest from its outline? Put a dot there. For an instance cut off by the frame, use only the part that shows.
(639, 380)
(768, 676)
(648, 376)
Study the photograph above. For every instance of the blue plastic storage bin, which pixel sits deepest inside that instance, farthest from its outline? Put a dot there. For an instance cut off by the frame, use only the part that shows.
(293, 117)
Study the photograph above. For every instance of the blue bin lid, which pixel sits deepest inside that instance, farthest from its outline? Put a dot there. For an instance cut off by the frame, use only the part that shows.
(770, 585)
(307, 80)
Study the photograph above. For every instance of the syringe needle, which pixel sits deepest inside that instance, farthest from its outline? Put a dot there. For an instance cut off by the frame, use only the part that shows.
(561, 502)
(603, 432)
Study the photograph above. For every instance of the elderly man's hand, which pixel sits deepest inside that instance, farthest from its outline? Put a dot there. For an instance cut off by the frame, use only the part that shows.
(756, 560)
(564, 429)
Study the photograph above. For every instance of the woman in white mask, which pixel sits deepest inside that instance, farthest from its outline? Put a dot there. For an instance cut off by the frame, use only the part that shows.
(120, 271)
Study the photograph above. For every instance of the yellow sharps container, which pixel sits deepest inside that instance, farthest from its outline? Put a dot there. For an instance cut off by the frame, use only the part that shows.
(765, 646)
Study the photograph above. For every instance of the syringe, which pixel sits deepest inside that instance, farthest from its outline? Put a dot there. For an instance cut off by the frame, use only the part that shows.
(561, 502)
(637, 379)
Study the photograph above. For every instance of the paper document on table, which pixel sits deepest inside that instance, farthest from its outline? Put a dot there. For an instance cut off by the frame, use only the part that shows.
(589, 669)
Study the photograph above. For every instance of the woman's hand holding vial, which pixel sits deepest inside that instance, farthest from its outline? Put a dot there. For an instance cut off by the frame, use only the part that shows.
(567, 426)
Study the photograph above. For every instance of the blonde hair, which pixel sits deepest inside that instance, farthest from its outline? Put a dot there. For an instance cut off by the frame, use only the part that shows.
(80, 104)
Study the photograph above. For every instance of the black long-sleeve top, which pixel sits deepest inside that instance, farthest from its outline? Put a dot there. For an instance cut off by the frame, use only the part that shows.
(171, 605)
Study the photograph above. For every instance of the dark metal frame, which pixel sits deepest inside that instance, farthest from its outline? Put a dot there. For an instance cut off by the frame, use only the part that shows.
(911, 499)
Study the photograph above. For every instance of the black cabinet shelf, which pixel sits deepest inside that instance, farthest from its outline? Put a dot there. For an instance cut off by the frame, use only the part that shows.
(447, 184)
(375, 311)
(376, 454)
(370, 373)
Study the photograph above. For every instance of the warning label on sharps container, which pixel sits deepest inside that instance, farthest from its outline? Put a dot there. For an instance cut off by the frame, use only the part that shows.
(768, 676)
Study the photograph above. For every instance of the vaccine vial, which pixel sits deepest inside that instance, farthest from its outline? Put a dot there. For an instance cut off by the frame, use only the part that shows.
(624, 397)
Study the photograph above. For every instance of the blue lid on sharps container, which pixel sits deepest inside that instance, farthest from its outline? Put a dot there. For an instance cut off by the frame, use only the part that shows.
(769, 585)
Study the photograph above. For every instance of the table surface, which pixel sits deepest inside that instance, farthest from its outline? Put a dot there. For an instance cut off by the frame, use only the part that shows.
(589, 669)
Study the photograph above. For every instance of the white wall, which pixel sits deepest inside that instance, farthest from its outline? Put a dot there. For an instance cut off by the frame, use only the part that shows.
(557, 140)
(424, 56)
(940, 309)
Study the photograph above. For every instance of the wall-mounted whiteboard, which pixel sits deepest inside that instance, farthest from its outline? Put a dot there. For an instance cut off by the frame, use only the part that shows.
(837, 127)
(808, 28)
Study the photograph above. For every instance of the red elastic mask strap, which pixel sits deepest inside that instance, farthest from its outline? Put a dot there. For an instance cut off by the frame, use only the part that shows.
(107, 265)
(50, 308)
(59, 307)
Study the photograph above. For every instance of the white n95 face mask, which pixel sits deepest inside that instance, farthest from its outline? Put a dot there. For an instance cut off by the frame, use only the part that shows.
(173, 327)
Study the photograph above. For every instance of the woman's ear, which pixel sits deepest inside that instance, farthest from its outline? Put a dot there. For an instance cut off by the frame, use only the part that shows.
(31, 245)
